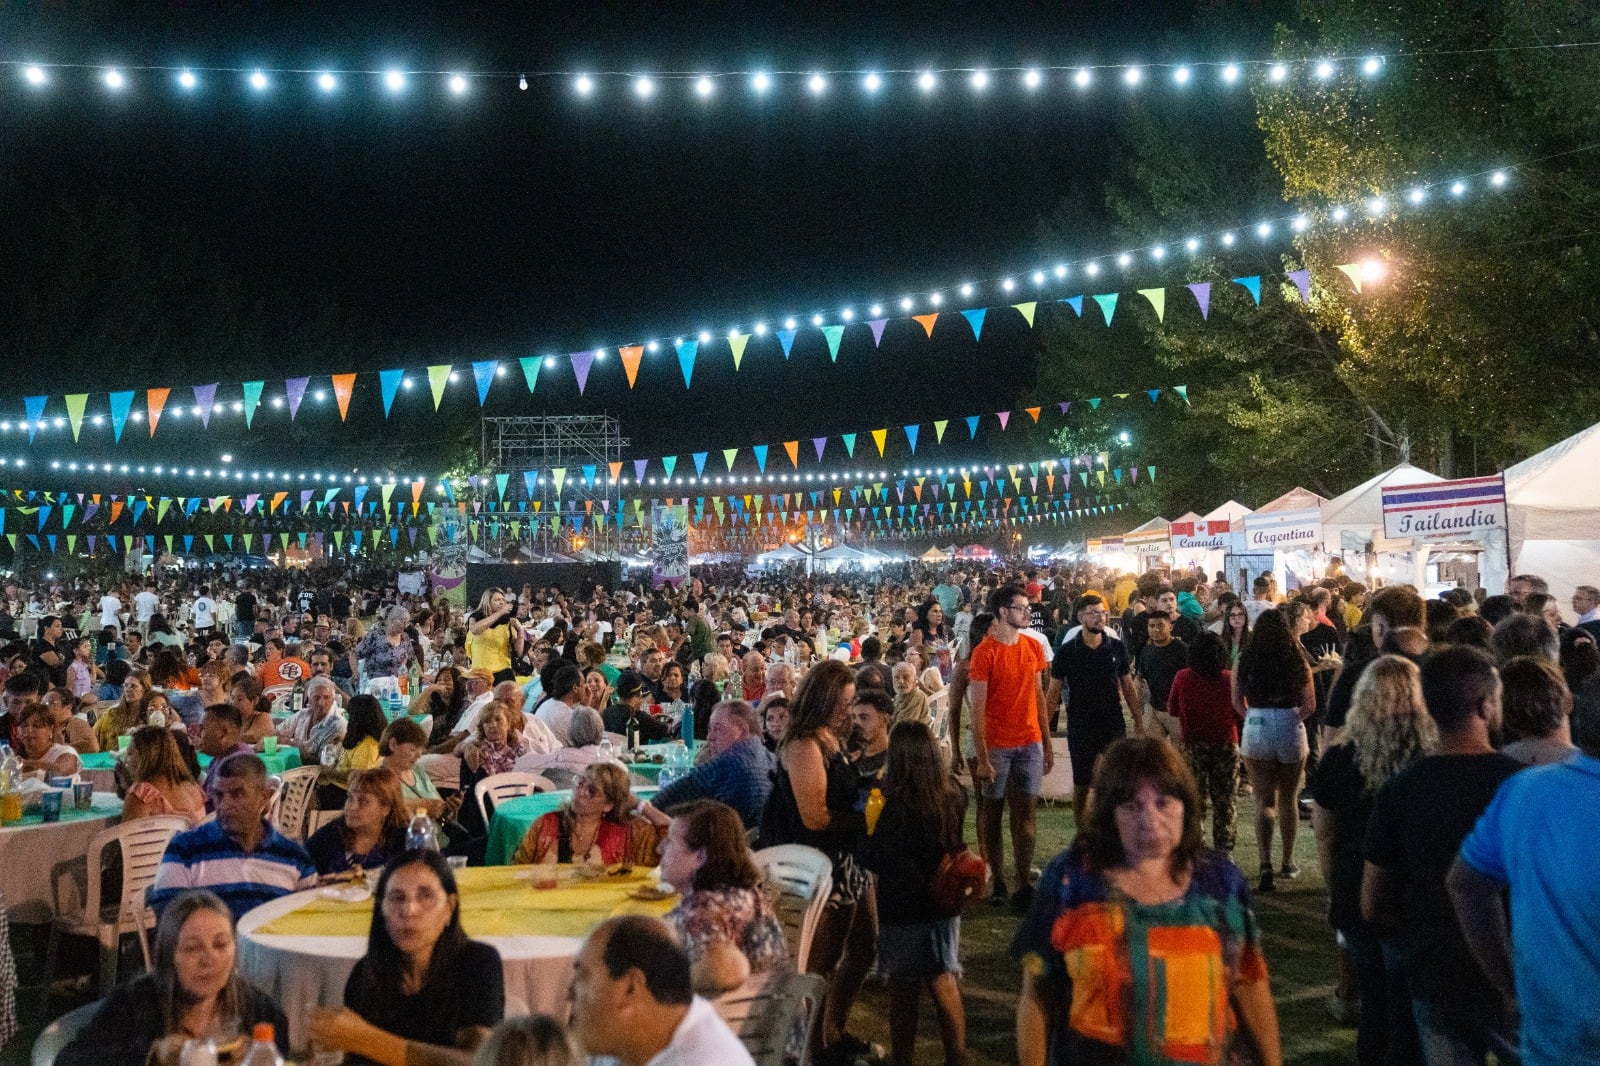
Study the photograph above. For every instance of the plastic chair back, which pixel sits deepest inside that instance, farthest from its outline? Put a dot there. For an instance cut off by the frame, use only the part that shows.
(802, 878)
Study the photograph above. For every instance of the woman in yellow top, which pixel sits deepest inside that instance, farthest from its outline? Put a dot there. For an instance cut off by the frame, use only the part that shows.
(494, 636)
(360, 750)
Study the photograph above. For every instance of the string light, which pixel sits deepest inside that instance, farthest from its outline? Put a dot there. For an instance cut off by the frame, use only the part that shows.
(165, 469)
(114, 79)
(1301, 222)
(187, 80)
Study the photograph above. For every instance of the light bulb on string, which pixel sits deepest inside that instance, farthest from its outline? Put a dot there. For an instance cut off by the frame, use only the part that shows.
(927, 82)
(872, 82)
(966, 289)
(1498, 178)
(1264, 230)
(1181, 76)
(1227, 240)
(644, 87)
(258, 81)
(1082, 78)
(979, 80)
(522, 82)
(187, 80)
(1038, 277)
(1092, 269)
(394, 81)
(1324, 70)
(457, 84)
(1278, 72)
(1032, 78)
(704, 87)
(327, 82)
(584, 85)
(1372, 66)
(1457, 188)
(35, 76)
(760, 81)
(1008, 284)
(1133, 76)
(114, 79)
(817, 84)
(1230, 73)
(1061, 270)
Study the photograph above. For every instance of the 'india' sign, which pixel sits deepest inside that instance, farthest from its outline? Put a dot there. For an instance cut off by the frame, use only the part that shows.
(1444, 510)
(1270, 530)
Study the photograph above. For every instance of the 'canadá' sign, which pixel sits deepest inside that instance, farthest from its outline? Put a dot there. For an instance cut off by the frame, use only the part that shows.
(1444, 510)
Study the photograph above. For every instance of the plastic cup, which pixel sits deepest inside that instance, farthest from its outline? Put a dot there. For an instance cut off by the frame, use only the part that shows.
(83, 795)
(269, 745)
(50, 806)
(63, 783)
(123, 742)
(457, 862)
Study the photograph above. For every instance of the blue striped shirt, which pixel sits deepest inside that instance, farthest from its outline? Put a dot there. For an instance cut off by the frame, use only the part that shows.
(741, 777)
(206, 857)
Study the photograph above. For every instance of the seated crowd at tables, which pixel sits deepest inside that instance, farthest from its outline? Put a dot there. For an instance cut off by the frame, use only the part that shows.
(827, 709)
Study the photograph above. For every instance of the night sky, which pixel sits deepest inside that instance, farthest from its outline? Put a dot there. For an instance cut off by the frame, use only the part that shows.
(528, 223)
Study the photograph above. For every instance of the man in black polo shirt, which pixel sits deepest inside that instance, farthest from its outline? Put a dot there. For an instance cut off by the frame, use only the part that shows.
(1159, 662)
(1094, 679)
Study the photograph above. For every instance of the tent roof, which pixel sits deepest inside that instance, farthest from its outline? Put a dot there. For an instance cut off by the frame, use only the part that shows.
(934, 555)
(841, 551)
(1362, 506)
(1559, 478)
(1232, 511)
(1189, 516)
(783, 553)
(1153, 526)
(1296, 499)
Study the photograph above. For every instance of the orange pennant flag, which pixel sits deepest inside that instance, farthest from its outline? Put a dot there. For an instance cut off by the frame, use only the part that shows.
(588, 507)
(156, 399)
(277, 498)
(1034, 413)
(116, 510)
(342, 384)
(616, 470)
(630, 361)
(792, 447)
(416, 490)
(926, 321)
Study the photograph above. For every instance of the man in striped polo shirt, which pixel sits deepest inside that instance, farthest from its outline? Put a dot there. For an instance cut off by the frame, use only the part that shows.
(239, 856)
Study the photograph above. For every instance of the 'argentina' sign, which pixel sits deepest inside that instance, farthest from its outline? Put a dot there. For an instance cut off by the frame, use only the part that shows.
(1444, 510)
(1272, 530)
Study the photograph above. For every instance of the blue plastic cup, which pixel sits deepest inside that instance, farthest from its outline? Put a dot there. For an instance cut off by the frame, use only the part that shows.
(50, 806)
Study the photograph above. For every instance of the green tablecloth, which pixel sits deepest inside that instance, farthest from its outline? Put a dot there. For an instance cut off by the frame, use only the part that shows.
(512, 819)
(106, 805)
(285, 758)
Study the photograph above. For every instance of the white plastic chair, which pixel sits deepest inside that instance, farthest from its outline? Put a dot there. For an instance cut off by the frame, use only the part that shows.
(293, 801)
(59, 1033)
(771, 1011)
(802, 877)
(141, 843)
(501, 787)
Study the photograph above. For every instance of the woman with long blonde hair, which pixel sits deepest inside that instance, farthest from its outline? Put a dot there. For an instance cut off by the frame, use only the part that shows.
(1387, 730)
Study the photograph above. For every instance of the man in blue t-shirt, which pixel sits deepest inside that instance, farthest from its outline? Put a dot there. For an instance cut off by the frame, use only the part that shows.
(1538, 839)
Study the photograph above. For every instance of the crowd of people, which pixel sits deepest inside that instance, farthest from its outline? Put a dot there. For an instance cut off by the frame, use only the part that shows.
(861, 716)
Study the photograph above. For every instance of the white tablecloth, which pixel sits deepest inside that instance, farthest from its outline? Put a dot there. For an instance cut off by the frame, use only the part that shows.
(304, 972)
(32, 857)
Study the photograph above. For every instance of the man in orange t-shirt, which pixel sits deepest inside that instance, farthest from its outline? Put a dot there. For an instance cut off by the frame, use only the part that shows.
(1009, 730)
(280, 669)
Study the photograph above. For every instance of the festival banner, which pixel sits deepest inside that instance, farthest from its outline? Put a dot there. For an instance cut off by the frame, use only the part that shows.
(1271, 530)
(669, 552)
(1201, 536)
(1444, 510)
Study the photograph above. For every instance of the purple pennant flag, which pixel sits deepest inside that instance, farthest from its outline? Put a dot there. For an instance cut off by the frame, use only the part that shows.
(1065, 406)
(639, 466)
(820, 443)
(877, 325)
(1302, 281)
(1202, 296)
(296, 390)
(581, 362)
(204, 397)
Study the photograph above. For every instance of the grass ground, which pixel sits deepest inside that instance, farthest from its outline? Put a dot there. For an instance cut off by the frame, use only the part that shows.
(1299, 947)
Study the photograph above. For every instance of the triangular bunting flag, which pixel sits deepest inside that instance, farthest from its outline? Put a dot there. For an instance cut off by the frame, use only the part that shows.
(34, 405)
(736, 345)
(155, 401)
(389, 383)
(1027, 310)
(1182, 390)
(728, 455)
(1302, 281)
(686, 351)
(343, 386)
(1108, 305)
(295, 390)
(926, 322)
(581, 362)
(819, 443)
(1251, 285)
(833, 335)
(761, 456)
(975, 320)
(438, 378)
(1158, 300)
(252, 400)
(1353, 272)
(938, 430)
(849, 443)
(1033, 413)
(880, 437)
(972, 427)
(483, 375)
(1004, 417)
(530, 370)
(204, 398)
(631, 356)
(786, 339)
(911, 437)
(792, 449)
(1074, 302)
(877, 325)
(1202, 296)
(1154, 394)
(75, 404)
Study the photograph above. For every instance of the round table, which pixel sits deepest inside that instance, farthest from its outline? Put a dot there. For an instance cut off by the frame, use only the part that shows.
(300, 949)
(37, 856)
(512, 819)
(98, 767)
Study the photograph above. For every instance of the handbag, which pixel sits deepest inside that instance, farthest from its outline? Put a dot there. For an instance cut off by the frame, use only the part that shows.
(961, 879)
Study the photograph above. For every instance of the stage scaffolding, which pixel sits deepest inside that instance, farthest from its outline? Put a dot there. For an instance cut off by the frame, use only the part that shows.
(515, 444)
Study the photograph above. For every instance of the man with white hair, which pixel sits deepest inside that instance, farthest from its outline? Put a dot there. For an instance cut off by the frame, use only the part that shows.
(319, 724)
(585, 730)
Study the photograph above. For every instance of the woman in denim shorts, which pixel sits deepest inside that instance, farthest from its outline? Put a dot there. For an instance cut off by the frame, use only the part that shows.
(1274, 694)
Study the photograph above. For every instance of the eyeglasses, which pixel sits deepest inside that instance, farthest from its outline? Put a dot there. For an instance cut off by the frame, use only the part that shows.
(426, 899)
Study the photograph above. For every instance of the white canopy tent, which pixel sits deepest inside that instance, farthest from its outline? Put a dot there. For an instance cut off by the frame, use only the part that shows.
(934, 555)
(1554, 514)
(1211, 553)
(1352, 528)
(1278, 539)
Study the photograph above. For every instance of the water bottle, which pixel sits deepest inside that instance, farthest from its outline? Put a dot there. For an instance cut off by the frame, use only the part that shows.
(198, 1053)
(686, 726)
(263, 1047)
(420, 834)
(297, 699)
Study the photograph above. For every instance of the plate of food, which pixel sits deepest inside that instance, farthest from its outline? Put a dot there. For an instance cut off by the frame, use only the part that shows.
(652, 893)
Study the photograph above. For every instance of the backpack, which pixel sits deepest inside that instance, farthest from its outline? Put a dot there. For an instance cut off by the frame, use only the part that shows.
(961, 879)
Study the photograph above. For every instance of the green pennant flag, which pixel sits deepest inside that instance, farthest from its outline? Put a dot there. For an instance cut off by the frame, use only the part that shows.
(252, 400)
(530, 370)
(1027, 310)
(559, 473)
(75, 404)
(1108, 305)
(727, 456)
(1182, 390)
(438, 378)
(1158, 300)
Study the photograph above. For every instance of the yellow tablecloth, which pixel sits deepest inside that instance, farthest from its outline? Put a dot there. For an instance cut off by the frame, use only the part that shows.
(496, 901)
